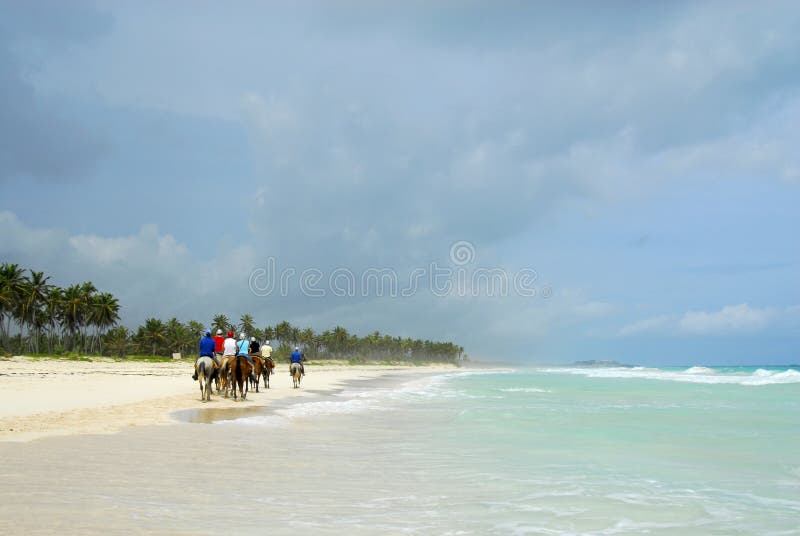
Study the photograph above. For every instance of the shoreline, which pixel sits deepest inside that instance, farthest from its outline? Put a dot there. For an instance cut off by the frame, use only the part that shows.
(42, 397)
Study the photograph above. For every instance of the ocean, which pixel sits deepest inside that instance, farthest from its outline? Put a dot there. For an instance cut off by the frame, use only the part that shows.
(542, 451)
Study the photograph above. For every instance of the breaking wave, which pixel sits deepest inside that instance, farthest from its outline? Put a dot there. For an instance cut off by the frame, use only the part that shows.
(696, 374)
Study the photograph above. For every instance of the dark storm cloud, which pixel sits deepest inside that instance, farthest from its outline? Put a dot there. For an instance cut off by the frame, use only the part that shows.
(37, 140)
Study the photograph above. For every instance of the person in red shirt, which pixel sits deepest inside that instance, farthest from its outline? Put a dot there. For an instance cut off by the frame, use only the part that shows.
(219, 343)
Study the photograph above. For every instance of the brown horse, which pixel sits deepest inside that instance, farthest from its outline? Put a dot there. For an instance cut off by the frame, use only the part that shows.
(240, 372)
(223, 378)
(257, 370)
(269, 369)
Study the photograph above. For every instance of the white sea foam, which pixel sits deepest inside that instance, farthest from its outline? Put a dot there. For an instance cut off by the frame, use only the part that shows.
(700, 370)
(693, 375)
(282, 417)
(524, 390)
(355, 401)
(261, 420)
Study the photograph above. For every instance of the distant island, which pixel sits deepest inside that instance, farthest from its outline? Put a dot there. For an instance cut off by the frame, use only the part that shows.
(600, 363)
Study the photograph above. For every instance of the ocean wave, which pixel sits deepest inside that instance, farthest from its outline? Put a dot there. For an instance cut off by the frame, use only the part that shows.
(523, 390)
(760, 377)
(282, 417)
(699, 370)
(358, 400)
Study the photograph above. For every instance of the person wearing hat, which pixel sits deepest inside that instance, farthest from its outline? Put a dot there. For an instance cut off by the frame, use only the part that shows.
(266, 350)
(255, 348)
(207, 347)
(243, 348)
(219, 344)
(298, 358)
(229, 346)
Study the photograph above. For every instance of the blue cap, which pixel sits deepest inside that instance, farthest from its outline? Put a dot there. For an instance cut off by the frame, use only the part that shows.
(208, 332)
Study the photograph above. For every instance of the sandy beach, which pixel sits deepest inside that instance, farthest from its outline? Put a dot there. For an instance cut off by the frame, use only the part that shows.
(50, 397)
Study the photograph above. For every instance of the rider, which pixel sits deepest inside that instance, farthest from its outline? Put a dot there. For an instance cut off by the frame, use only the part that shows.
(297, 357)
(243, 348)
(206, 349)
(229, 346)
(266, 353)
(255, 348)
(219, 344)
(266, 350)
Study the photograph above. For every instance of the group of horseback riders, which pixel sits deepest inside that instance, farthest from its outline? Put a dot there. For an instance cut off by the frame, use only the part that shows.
(219, 347)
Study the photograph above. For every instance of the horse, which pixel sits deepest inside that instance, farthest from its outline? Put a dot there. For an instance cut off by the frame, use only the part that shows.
(240, 372)
(296, 370)
(223, 377)
(269, 369)
(205, 375)
(257, 370)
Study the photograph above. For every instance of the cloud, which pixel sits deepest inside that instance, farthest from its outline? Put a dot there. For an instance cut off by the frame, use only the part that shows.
(377, 136)
(37, 140)
(647, 326)
(729, 320)
(151, 272)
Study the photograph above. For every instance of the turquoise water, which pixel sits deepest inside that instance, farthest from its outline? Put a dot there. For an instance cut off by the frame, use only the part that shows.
(564, 451)
(545, 451)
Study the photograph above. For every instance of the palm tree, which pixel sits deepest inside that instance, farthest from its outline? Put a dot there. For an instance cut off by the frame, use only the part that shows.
(104, 314)
(269, 333)
(12, 281)
(87, 293)
(177, 335)
(339, 340)
(294, 335)
(247, 324)
(283, 331)
(53, 309)
(220, 321)
(196, 328)
(153, 334)
(34, 295)
(72, 312)
(118, 341)
(306, 338)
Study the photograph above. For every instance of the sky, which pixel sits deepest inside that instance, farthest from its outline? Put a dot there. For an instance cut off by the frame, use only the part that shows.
(537, 181)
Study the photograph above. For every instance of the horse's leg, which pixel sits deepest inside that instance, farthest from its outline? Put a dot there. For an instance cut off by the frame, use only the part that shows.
(201, 376)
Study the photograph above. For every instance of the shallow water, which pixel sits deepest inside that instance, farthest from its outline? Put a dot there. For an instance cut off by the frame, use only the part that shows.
(539, 451)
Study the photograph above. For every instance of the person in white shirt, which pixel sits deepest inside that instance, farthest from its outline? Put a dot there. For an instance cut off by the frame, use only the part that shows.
(229, 346)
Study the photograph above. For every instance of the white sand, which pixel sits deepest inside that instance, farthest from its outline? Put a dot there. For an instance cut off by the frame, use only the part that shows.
(45, 397)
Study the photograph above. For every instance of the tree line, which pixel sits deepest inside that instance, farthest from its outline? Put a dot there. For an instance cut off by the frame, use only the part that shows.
(36, 316)
(50, 318)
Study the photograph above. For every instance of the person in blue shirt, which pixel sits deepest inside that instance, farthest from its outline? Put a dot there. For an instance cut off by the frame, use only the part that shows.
(243, 348)
(297, 357)
(207, 347)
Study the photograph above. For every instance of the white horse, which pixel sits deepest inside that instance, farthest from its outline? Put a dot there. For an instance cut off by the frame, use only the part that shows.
(205, 374)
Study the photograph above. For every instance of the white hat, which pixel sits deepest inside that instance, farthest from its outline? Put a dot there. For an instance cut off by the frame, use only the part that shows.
(219, 332)
(266, 342)
(252, 339)
(241, 336)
